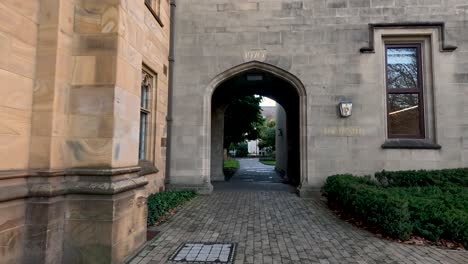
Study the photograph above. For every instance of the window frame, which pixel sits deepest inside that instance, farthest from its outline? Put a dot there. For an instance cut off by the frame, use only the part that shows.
(150, 112)
(156, 13)
(419, 90)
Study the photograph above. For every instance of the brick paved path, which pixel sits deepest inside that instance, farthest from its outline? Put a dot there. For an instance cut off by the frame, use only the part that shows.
(253, 176)
(279, 227)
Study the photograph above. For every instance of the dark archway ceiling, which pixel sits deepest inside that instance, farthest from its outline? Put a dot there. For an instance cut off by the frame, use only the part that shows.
(270, 86)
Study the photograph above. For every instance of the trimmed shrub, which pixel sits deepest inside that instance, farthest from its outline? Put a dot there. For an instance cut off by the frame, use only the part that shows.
(456, 177)
(437, 212)
(361, 197)
(432, 212)
(161, 203)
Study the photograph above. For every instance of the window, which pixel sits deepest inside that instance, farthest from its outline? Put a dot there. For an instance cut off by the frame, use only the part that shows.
(147, 83)
(155, 8)
(411, 64)
(405, 99)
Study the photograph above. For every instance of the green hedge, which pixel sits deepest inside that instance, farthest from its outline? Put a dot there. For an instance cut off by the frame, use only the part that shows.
(161, 203)
(363, 198)
(457, 177)
(437, 212)
(433, 212)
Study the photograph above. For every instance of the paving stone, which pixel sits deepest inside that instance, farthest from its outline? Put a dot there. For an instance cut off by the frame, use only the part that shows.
(271, 226)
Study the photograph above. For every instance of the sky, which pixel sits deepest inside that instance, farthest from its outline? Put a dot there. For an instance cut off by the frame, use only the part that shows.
(267, 102)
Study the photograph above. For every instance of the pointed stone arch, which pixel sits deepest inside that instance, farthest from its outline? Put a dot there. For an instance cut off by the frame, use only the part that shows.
(256, 65)
(261, 67)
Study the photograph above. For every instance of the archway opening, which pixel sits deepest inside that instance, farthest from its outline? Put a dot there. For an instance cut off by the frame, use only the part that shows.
(259, 82)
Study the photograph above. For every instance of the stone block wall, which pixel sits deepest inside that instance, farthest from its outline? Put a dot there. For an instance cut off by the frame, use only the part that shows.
(71, 186)
(319, 42)
(142, 41)
(18, 46)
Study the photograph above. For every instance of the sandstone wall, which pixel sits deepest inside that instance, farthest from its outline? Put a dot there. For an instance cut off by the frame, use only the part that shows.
(18, 42)
(71, 189)
(18, 45)
(318, 41)
(142, 40)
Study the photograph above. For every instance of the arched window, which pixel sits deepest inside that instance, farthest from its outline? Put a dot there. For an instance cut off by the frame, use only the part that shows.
(146, 117)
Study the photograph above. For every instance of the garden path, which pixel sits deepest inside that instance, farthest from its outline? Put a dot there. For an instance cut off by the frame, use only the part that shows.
(253, 175)
(271, 224)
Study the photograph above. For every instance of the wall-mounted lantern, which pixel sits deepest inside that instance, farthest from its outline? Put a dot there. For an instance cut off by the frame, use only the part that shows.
(280, 132)
(346, 109)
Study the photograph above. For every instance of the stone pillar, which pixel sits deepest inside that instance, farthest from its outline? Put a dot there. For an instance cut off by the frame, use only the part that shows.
(18, 46)
(105, 223)
(45, 209)
(281, 141)
(293, 146)
(217, 143)
(44, 230)
(86, 202)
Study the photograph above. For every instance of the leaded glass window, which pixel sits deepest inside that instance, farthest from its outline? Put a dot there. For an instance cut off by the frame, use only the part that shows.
(145, 112)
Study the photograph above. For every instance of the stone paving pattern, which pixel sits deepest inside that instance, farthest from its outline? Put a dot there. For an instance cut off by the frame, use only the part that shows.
(253, 176)
(280, 227)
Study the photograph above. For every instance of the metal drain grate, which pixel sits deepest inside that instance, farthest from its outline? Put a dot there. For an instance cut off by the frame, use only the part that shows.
(205, 253)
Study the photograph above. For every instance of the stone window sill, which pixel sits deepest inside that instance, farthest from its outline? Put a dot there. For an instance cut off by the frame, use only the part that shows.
(409, 144)
(147, 167)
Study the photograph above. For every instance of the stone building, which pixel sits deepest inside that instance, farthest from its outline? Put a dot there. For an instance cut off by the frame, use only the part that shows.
(86, 90)
(83, 108)
(402, 64)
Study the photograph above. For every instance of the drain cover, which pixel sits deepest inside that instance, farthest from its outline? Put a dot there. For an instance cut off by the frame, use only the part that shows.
(205, 253)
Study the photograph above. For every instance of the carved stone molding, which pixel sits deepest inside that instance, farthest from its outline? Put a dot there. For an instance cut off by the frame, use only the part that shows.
(444, 47)
(10, 174)
(50, 183)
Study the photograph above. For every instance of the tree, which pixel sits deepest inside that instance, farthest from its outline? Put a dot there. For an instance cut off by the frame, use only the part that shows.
(240, 149)
(267, 135)
(241, 118)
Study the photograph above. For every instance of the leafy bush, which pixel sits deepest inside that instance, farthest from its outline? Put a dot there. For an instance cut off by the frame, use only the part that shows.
(457, 177)
(433, 212)
(161, 203)
(437, 212)
(361, 197)
(241, 149)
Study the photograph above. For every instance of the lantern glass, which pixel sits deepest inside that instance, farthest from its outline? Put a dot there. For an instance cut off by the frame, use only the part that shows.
(346, 109)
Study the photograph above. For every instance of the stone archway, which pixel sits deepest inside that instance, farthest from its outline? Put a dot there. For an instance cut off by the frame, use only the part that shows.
(209, 113)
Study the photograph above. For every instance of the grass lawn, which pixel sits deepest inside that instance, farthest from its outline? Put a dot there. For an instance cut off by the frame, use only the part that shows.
(230, 168)
(269, 162)
(231, 164)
